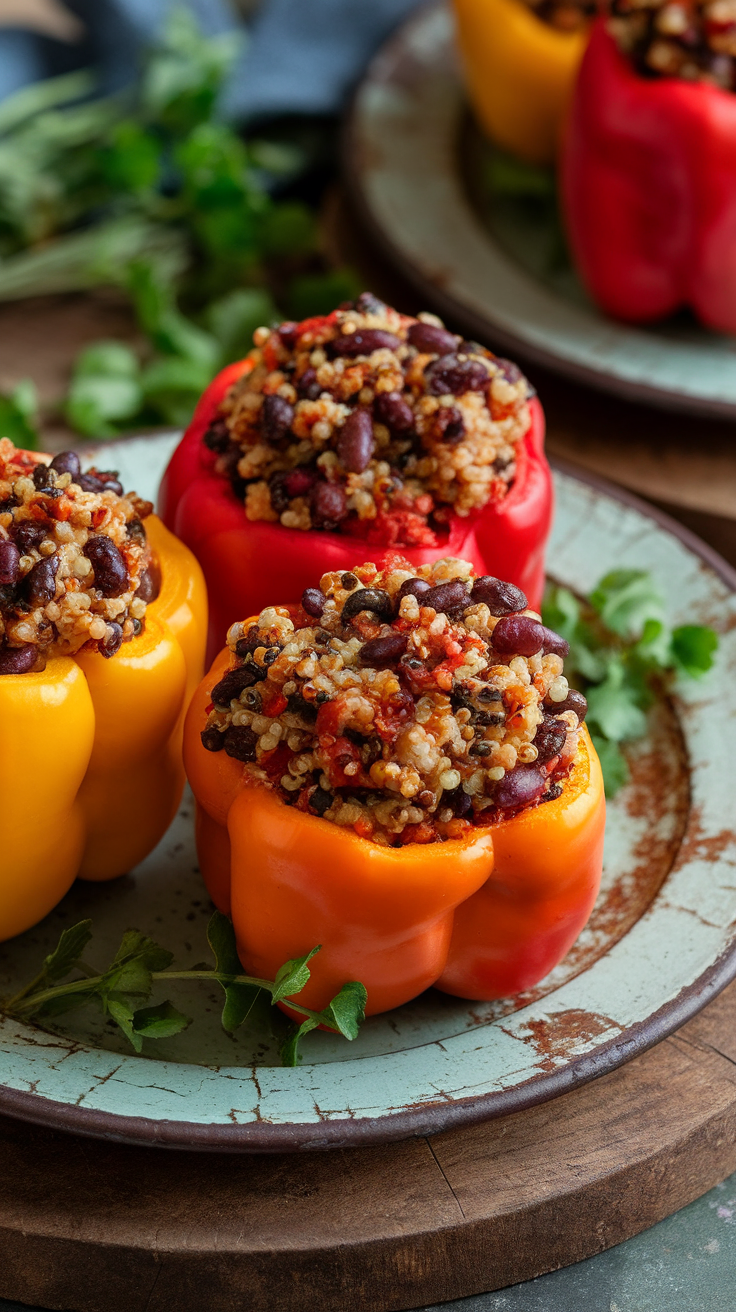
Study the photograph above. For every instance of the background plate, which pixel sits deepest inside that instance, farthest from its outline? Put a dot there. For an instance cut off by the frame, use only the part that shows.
(661, 942)
(402, 163)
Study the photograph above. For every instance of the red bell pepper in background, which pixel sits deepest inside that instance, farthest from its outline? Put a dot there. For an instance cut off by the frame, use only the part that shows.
(247, 564)
(649, 190)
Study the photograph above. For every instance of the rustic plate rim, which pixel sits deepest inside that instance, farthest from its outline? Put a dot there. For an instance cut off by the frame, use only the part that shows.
(454, 310)
(430, 1118)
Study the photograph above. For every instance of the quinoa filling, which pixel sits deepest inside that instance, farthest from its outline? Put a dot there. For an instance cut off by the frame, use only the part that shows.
(370, 423)
(405, 705)
(564, 15)
(76, 570)
(668, 39)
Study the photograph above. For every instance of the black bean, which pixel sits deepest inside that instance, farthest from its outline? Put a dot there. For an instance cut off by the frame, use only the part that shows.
(67, 462)
(549, 739)
(89, 483)
(349, 581)
(519, 787)
(270, 655)
(234, 681)
(374, 599)
(320, 801)
(297, 705)
(136, 530)
(414, 588)
(554, 790)
(327, 504)
(18, 660)
(217, 437)
(554, 644)
(393, 410)
(9, 558)
(448, 425)
(480, 749)
(510, 371)
(500, 598)
(447, 598)
(355, 444)
(240, 742)
(27, 535)
(458, 799)
(43, 477)
(450, 375)
(114, 641)
(299, 481)
(575, 701)
(277, 491)
(472, 348)
(149, 586)
(246, 646)
(109, 481)
(363, 342)
(367, 303)
(212, 739)
(276, 418)
(289, 334)
(111, 575)
(40, 583)
(308, 387)
(8, 504)
(428, 338)
(313, 602)
(518, 635)
(383, 651)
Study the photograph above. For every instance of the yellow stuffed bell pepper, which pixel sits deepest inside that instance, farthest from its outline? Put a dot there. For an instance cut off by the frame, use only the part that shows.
(520, 70)
(102, 630)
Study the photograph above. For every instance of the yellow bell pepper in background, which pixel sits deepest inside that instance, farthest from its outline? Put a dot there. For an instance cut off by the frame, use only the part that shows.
(90, 769)
(520, 74)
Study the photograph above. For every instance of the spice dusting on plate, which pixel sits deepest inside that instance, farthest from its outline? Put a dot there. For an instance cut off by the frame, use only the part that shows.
(76, 569)
(370, 423)
(408, 705)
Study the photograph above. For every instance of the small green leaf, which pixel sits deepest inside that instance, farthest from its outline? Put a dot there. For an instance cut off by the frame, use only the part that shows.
(138, 947)
(106, 359)
(19, 416)
(292, 977)
(122, 1013)
(614, 705)
(625, 599)
(320, 293)
(159, 1022)
(67, 952)
(613, 764)
(509, 176)
(132, 159)
(289, 229)
(290, 1055)
(347, 1009)
(239, 998)
(233, 319)
(693, 649)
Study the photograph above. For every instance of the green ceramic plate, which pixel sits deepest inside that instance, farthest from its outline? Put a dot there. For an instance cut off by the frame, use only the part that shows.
(404, 159)
(661, 941)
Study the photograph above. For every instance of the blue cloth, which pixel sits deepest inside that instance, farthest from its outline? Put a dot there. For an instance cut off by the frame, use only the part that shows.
(301, 56)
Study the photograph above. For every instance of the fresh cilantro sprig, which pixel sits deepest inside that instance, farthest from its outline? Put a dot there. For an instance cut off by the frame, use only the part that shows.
(621, 650)
(123, 989)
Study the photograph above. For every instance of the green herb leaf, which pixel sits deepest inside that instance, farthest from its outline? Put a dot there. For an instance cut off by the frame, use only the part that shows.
(693, 649)
(509, 176)
(105, 392)
(232, 319)
(614, 705)
(320, 293)
(613, 764)
(159, 1022)
(239, 998)
(625, 599)
(122, 1013)
(19, 416)
(292, 977)
(289, 1053)
(346, 1012)
(67, 952)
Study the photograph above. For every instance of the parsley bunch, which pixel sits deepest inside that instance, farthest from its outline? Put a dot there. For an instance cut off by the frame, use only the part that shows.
(122, 989)
(622, 650)
(149, 191)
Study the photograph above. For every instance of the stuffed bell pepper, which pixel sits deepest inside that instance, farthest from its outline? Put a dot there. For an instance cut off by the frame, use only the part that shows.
(102, 628)
(520, 60)
(363, 426)
(649, 169)
(396, 769)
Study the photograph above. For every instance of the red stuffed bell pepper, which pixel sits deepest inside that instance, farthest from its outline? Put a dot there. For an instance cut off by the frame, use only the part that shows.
(397, 770)
(362, 425)
(649, 168)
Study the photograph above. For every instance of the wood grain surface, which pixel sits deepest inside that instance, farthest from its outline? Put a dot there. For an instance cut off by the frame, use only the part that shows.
(98, 1227)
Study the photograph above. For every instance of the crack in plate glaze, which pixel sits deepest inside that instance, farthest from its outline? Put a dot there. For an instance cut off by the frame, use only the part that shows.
(661, 941)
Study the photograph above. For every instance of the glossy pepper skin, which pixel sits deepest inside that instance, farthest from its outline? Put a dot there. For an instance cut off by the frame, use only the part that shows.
(649, 186)
(90, 771)
(520, 73)
(246, 564)
(481, 916)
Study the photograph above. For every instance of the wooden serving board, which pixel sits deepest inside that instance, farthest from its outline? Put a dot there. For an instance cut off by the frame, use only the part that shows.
(99, 1227)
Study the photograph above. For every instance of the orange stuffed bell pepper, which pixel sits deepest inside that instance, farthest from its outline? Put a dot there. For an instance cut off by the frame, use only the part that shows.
(102, 630)
(520, 61)
(397, 770)
(362, 425)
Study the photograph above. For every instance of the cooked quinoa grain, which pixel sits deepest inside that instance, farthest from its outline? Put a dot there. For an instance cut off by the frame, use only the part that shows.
(370, 423)
(664, 38)
(405, 705)
(75, 566)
